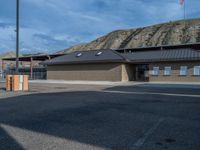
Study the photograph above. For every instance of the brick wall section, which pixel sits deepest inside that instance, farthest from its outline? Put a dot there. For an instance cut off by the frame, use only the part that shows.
(175, 76)
(87, 72)
(119, 72)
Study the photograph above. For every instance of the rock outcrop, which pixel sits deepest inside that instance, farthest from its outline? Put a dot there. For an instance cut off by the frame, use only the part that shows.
(171, 33)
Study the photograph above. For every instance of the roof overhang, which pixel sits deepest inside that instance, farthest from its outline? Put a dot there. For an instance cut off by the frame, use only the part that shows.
(34, 57)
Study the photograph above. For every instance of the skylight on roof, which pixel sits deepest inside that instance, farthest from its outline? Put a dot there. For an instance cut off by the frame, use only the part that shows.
(79, 55)
(99, 53)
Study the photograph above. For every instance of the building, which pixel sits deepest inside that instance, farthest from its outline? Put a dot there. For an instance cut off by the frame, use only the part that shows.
(180, 63)
(28, 65)
(105, 65)
(171, 63)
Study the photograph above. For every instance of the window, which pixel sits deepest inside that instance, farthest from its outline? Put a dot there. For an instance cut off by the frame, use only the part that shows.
(155, 71)
(183, 71)
(168, 71)
(197, 70)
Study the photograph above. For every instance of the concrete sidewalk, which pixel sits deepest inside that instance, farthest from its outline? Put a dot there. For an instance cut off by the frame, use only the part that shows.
(84, 82)
(113, 83)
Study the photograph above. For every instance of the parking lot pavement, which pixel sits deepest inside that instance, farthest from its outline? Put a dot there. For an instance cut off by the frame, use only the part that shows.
(159, 88)
(36, 87)
(78, 119)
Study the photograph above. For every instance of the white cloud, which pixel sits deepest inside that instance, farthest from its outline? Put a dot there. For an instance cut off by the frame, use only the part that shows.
(29, 43)
(6, 39)
(62, 23)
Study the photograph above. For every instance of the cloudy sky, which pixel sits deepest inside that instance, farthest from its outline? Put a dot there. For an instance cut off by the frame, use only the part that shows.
(53, 25)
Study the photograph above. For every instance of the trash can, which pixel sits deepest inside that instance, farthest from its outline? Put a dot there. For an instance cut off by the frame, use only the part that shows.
(17, 83)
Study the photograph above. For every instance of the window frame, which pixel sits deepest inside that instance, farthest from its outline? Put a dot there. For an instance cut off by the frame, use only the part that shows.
(194, 71)
(169, 73)
(185, 71)
(155, 72)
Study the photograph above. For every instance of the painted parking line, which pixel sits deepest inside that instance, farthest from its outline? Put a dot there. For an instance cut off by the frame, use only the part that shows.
(152, 93)
(137, 145)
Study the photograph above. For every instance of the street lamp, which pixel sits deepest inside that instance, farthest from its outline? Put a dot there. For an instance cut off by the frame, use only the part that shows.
(17, 37)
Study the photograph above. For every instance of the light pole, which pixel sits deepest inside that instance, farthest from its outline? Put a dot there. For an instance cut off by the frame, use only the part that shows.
(17, 37)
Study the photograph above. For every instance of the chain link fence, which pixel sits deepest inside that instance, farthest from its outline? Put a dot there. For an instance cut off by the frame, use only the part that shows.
(38, 73)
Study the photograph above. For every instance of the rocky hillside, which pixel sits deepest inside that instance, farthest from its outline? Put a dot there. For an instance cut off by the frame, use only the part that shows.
(7, 55)
(171, 33)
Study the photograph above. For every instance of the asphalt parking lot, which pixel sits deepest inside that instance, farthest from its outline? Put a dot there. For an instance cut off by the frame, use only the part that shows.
(90, 117)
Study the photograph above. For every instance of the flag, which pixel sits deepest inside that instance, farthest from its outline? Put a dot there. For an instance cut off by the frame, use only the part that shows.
(182, 2)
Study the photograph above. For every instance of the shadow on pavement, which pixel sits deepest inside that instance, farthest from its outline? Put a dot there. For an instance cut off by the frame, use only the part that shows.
(7, 142)
(76, 116)
(102, 119)
(159, 88)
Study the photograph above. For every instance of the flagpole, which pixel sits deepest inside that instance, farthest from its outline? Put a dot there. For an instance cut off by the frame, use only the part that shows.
(17, 36)
(184, 11)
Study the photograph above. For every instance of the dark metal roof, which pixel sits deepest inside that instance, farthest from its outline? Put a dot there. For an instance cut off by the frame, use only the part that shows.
(87, 57)
(119, 52)
(163, 55)
(34, 57)
(132, 57)
(162, 47)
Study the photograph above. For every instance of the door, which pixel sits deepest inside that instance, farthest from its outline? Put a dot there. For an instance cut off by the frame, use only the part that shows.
(141, 73)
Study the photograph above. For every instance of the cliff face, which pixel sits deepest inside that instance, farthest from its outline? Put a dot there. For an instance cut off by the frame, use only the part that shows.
(171, 33)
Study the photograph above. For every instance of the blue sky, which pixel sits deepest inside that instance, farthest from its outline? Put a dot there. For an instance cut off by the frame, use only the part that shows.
(53, 25)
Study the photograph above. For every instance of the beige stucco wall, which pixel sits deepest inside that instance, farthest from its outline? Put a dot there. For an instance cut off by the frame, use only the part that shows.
(127, 72)
(87, 72)
(175, 72)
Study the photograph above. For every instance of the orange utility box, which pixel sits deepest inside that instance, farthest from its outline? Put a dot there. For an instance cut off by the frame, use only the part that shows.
(9, 82)
(17, 83)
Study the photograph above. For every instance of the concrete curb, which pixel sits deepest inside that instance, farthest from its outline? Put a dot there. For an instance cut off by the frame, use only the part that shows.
(111, 83)
(78, 82)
